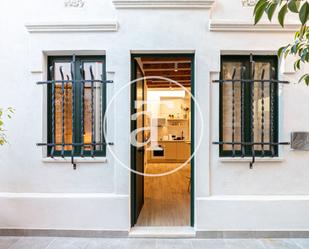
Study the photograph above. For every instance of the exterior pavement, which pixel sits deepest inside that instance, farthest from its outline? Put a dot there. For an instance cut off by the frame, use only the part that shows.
(135, 243)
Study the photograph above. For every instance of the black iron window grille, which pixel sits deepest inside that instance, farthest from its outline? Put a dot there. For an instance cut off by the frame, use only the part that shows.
(76, 90)
(249, 107)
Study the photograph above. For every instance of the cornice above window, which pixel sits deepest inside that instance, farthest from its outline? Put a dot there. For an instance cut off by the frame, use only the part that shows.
(163, 4)
(248, 26)
(105, 26)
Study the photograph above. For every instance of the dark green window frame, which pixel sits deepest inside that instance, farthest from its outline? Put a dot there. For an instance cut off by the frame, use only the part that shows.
(245, 60)
(79, 60)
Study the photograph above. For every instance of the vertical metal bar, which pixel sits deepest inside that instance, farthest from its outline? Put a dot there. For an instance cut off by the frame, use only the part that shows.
(82, 73)
(101, 110)
(252, 111)
(271, 115)
(51, 70)
(243, 70)
(233, 112)
(263, 113)
(62, 112)
(73, 110)
(67, 91)
(92, 112)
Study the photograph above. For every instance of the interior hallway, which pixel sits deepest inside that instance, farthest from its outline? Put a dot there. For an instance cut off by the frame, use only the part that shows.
(167, 198)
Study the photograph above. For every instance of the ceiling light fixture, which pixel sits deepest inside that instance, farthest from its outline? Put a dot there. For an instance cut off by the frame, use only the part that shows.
(176, 67)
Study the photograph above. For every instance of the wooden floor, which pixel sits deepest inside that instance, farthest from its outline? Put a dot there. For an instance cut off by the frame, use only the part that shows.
(167, 198)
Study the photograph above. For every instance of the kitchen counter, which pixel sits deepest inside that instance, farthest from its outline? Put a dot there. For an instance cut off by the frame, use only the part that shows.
(173, 151)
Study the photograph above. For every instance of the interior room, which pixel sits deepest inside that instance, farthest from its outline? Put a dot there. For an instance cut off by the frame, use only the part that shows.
(167, 197)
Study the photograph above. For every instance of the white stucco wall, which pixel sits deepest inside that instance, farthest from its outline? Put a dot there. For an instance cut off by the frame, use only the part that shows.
(98, 193)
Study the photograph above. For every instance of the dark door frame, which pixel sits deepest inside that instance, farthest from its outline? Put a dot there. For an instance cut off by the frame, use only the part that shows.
(190, 56)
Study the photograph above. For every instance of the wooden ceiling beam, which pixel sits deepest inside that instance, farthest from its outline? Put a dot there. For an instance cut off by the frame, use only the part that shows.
(166, 66)
(168, 73)
(165, 62)
(176, 78)
(166, 69)
(164, 59)
(179, 81)
(166, 86)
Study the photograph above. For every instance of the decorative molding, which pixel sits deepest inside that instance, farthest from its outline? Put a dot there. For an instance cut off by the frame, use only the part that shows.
(64, 233)
(74, 3)
(234, 26)
(109, 26)
(78, 160)
(251, 234)
(163, 4)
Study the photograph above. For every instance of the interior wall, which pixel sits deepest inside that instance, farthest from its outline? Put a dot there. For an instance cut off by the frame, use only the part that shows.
(162, 103)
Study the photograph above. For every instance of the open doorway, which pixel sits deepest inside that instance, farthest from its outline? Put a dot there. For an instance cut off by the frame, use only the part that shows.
(163, 194)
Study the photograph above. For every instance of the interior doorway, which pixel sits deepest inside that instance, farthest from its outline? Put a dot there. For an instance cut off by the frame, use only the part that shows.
(162, 192)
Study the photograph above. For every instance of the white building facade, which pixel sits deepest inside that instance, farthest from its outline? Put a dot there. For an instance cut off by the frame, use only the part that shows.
(39, 193)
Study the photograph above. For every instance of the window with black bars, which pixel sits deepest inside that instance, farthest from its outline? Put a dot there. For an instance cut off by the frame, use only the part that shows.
(76, 92)
(249, 107)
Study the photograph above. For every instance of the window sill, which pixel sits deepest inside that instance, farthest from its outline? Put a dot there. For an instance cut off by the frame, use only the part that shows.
(249, 159)
(76, 160)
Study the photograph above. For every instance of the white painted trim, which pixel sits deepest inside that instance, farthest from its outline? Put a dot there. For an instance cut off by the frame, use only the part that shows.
(103, 26)
(162, 232)
(163, 4)
(248, 26)
(248, 52)
(61, 195)
(76, 159)
(255, 198)
(63, 211)
(184, 51)
(253, 213)
(79, 52)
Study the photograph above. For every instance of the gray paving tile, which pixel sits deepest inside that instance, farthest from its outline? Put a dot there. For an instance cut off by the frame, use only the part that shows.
(253, 244)
(138, 244)
(69, 243)
(244, 244)
(6, 242)
(280, 244)
(208, 244)
(174, 244)
(32, 243)
(130, 243)
(238, 234)
(303, 243)
(105, 244)
(235, 243)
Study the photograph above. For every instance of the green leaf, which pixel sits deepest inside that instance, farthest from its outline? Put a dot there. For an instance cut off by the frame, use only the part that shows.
(305, 78)
(282, 14)
(297, 65)
(280, 51)
(259, 12)
(304, 13)
(293, 5)
(287, 51)
(304, 55)
(259, 3)
(271, 10)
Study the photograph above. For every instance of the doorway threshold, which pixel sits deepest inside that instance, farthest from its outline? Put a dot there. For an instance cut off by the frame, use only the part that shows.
(162, 232)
